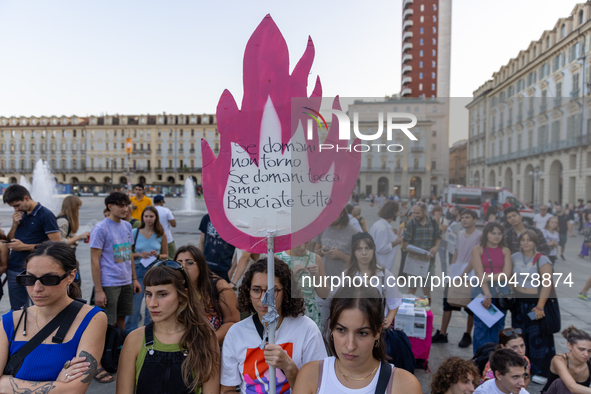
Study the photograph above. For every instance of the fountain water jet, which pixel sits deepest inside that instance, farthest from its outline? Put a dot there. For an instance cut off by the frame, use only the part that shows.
(43, 187)
(190, 204)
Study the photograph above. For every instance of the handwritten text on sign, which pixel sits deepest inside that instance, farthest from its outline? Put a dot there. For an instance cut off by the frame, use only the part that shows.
(279, 188)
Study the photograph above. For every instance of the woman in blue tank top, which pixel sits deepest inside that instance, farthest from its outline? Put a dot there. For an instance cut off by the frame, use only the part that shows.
(49, 278)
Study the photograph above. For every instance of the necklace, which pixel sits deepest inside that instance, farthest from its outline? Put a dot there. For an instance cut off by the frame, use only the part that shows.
(580, 373)
(347, 378)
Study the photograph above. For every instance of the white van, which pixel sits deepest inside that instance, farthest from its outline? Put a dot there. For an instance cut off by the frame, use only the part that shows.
(473, 197)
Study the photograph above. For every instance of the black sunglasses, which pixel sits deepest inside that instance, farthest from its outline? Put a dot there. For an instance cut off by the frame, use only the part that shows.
(511, 331)
(175, 265)
(25, 279)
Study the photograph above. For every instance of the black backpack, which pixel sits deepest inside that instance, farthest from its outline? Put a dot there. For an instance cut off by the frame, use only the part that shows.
(113, 344)
(483, 354)
(398, 347)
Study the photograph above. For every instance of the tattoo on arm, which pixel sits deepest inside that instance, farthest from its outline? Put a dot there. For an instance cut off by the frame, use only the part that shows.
(91, 368)
(37, 387)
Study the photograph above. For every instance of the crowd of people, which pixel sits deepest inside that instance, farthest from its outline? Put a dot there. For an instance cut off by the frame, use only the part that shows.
(203, 328)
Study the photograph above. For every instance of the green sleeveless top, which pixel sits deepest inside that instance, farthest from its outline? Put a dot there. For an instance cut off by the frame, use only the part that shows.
(162, 347)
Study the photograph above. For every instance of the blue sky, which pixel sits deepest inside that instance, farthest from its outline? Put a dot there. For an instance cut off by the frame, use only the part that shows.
(81, 57)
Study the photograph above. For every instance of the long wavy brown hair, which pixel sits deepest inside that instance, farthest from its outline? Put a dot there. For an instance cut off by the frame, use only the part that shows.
(70, 208)
(490, 226)
(203, 358)
(293, 301)
(158, 229)
(353, 265)
(204, 283)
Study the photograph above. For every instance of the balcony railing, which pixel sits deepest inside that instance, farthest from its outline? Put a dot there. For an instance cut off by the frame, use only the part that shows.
(568, 143)
(407, 2)
(158, 151)
(407, 12)
(406, 34)
(406, 91)
(406, 69)
(170, 151)
(406, 24)
(406, 80)
(558, 101)
(417, 149)
(406, 46)
(416, 169)
(530, 113)
(406, 57)
(191, 150)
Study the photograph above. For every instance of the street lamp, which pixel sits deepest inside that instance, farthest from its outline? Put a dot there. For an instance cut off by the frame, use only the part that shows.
(536, 174)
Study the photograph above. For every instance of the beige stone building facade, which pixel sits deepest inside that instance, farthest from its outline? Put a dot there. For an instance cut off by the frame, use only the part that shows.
(421, 169)
(89, 152)
(529, 125)
(457, 163)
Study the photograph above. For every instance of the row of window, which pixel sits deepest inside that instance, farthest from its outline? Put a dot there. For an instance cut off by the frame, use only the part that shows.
(433, 52)
(422, 19)
(422, 42)
(422, 8)
(433, 64)
(432, 75)
(421, 87)
(422, 30)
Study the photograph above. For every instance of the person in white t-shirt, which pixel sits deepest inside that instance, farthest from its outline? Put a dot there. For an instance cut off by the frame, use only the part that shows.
(167, 221)
(385, 237)
(540, 219)
(509, 369)
(359, 363)
(297, 338)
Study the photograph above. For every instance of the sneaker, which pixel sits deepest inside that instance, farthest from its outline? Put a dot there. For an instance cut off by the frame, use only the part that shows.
(562, 257)
(539, 379)
(584, 296)
(439, 337)
(466, 340)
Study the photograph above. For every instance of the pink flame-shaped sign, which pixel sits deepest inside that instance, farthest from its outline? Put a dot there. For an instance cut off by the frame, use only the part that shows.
(267, 117)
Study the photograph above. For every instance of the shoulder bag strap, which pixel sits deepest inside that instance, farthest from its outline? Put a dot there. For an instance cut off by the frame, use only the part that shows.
(137, 233)
(258, 325)
(320, 372)
(67, 322)
(489, 259)
(24, 314)
(383, 379)
(149, 333)
(15, 361)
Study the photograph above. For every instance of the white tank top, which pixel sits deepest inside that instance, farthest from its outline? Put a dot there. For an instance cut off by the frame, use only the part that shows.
(330, 384)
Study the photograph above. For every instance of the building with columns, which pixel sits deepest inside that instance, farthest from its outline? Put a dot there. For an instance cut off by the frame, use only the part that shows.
(90, 151)
(529, 127)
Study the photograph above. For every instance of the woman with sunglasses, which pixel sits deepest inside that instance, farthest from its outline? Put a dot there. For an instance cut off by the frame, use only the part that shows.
(490, 259)
(177, 352)
(359, 363)
(297, 338)
(149, 245)
(509, 338)
(531, 293)
(66, 363)
(217, 297)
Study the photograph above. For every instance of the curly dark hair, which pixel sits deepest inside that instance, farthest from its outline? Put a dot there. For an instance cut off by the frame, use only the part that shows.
(293, 302)
(490, 226)
(452, 371)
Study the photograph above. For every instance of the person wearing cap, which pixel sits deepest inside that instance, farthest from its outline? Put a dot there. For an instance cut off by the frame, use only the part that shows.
(167, 221)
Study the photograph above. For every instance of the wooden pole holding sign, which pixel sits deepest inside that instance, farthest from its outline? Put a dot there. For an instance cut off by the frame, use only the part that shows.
(271, 289)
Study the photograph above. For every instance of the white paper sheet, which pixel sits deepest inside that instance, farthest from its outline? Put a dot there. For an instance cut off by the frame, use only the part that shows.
(484, 314)
(457, 269)
(417, 250)
(413, 321)
(416, 267)
(147, 261)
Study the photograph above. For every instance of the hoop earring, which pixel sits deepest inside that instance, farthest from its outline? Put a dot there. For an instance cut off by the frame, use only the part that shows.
(376, 343)
(331, 337)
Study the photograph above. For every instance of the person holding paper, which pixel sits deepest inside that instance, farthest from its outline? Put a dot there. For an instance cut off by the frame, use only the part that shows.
(422, 232)
(531, 296)
(150, 245)
(490, 259)
(467, 240)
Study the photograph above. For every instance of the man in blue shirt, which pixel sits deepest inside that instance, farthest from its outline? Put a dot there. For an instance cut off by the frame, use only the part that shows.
(32, 224)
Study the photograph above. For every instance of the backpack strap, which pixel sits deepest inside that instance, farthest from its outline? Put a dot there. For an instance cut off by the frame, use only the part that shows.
(15, 361)
(391, 381)
(259, 325)
(68, 220)
(67, 322)
(384, 378)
